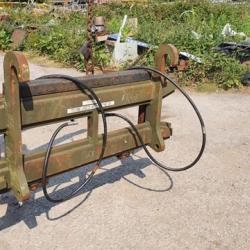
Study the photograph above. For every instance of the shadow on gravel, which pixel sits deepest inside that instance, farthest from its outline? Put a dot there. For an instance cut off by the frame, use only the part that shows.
(37, 206)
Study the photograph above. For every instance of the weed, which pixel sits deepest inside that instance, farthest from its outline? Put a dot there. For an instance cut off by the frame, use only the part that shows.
(61, 35)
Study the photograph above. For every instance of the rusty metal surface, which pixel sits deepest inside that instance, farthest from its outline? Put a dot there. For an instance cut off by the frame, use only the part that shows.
(142, 113)
(45, 86)
(69, 156)
(183, 65)
(64, 160)
(4, 171)
(99, 21)
(35, 110)
(5, 17)
(167, 89)
(166, 51)
(153, 116)
(167, 59)
(75, 154)
(18, 38)
(15, 69)
(99, 26)
(124, 155)
(88, 61)
(28, 103)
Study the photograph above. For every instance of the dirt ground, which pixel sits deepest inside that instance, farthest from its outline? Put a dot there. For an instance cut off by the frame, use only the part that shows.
(132, 204)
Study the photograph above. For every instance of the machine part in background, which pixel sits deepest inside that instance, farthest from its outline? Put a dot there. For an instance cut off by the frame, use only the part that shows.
(99, 29)
(168, 59)
(18, 38)
(245, 79)
(240, 51)
(87, 49)
(166, 51)
(5, 17)
(87, 52)
(99, 26)
(183, 63)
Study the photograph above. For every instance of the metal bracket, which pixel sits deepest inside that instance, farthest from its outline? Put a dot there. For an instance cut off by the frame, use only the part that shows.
(16, 70)
(161, 55)
(28, 105)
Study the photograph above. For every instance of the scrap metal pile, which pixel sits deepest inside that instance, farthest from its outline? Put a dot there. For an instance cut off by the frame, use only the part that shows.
(241, 51)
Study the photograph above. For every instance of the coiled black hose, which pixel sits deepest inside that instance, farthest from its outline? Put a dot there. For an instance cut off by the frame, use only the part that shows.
(84, 87)
(203, 129)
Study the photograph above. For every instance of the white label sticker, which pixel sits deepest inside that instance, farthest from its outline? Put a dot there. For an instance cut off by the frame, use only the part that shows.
(89, 102)
(89, 105)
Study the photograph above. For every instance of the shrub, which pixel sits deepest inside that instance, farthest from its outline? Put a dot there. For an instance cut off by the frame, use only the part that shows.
(61, 35)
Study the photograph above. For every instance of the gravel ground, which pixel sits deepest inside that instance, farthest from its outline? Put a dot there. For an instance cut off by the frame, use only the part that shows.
(132, 204)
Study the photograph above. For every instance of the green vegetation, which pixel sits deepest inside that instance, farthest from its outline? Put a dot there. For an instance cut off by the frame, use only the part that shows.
(61, 35)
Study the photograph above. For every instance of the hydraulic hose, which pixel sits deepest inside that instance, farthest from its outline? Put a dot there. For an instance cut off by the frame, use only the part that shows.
(203, 129)
(151, 157)
(85, 89)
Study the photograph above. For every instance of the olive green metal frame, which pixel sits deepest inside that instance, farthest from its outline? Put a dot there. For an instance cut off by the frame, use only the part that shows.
(19, 171)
